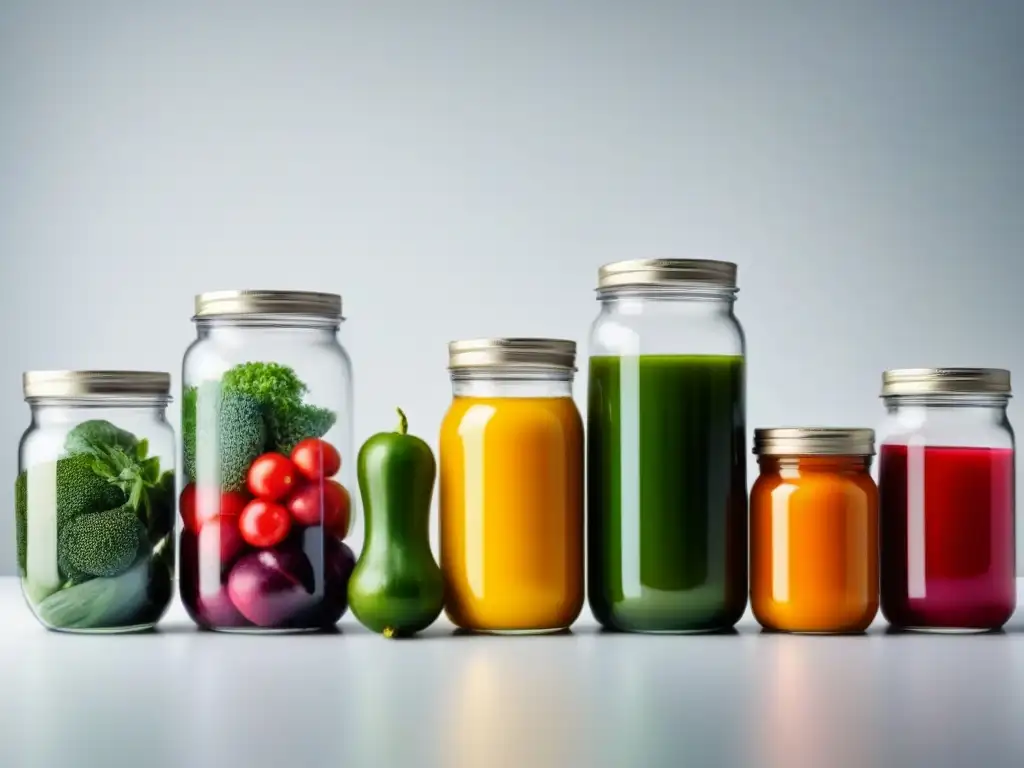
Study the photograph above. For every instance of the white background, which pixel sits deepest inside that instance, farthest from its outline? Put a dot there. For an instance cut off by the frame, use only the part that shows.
(460, 169)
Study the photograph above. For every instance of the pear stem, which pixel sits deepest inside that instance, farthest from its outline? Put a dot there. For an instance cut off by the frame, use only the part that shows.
(403, 422)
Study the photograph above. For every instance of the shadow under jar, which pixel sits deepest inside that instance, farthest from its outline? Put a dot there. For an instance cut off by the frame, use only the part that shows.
(814, 530)
(511, 487)
(94, 500)
(267, 463)
(667, 495)
(946, 477)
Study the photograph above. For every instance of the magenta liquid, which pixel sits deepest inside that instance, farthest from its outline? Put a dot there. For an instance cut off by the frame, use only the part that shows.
(947, 537)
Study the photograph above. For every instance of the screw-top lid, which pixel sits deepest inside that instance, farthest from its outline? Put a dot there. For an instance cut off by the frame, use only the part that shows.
(814, 441)
(549, 354)
(950, 381)
(667, 272)
(42, 384)
(219, 303)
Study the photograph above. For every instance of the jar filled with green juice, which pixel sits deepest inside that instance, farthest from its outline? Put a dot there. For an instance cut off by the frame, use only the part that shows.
(667, 492)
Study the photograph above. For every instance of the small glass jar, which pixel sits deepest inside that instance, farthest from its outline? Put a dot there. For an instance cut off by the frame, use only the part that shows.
(667, 491)
(94, 500)
(511, 487)
(814, 530)
(267, 505)
(946, 478)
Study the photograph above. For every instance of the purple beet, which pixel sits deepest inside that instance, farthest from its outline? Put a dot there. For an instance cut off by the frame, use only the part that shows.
(202, 591)
(339, 562)
(272, 586)
(220, 541)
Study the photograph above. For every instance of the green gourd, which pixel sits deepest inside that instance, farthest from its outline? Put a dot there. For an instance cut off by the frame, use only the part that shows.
(396, 587)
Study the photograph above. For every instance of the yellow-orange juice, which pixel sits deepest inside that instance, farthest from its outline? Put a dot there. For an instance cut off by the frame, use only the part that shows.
(511, 488)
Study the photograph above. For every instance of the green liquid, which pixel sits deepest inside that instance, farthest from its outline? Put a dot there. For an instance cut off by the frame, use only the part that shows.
(667, 493)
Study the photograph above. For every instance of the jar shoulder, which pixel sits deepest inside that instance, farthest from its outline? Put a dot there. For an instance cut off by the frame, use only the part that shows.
(623, 334)
(810, 487)
(946, 427)
(510, 415)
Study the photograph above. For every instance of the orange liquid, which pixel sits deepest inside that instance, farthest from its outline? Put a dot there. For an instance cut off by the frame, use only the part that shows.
(814, 545)
(511, 487)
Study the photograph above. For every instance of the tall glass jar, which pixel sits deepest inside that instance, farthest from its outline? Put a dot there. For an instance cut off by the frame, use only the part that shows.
(667, 495)
(814, 530)
(511, 487)
(94, 500)
(946, 478)
(268, 498)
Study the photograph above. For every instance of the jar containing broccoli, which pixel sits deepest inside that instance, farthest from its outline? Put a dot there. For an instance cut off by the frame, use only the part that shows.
(94, 500)
(266, 507)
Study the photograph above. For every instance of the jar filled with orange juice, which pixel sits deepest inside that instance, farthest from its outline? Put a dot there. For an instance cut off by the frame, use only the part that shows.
(814, 530)
(511, 487)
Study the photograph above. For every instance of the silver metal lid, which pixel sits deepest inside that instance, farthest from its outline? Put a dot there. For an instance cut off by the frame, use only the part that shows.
(57, 384)
(218, 303)
(548, 354)
(667, 272)
(814, 441)
(951, 381)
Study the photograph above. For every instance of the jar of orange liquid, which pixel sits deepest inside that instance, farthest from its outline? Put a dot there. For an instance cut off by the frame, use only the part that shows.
(511, 487)
(814, 530)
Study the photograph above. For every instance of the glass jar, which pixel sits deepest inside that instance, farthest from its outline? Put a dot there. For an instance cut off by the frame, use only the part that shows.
(667, 494)
(511, 487)
(946, 478)
(94, 500)
(268, 500)
(814, 530)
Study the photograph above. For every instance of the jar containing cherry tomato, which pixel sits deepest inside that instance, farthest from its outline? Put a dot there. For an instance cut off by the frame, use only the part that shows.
(268, 505)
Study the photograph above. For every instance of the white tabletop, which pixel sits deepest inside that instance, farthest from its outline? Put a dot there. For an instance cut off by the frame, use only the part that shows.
(179, 697)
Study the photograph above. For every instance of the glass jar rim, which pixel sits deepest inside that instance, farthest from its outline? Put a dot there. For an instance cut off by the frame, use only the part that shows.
(95, 385)
(247, 303)
(814, 441)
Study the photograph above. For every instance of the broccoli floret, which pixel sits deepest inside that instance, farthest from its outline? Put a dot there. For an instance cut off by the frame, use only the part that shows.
(21, 518)
(189, 403)
(80, 489)
(100, 543)
(289, 429)
(232, 422)
(243, 437)
(274, 386)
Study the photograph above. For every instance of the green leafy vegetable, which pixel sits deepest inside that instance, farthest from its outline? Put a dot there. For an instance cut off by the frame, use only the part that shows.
(279, 391)
(131, 471)
(98, 432)
(291, 428)
(21, 518)
(189, 408)
(101, 543)
(80, 489)
(100, 603)
(231, 429)
(272, 385)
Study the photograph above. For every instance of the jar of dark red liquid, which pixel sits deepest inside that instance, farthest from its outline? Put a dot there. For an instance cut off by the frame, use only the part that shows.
(946, 482)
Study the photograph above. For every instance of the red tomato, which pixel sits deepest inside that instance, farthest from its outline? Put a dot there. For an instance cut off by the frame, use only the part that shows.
(263, 523)
(271, 476)
(212, 504)
(187, 508)
(338, 522)
(321, 503)
(316, 458)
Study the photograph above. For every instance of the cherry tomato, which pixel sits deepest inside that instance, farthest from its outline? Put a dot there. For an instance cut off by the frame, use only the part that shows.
(213, 504)
(316, 458)
(187, 508)
(338, 522)
(271, 477)
(322, 503)
(264, 523)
